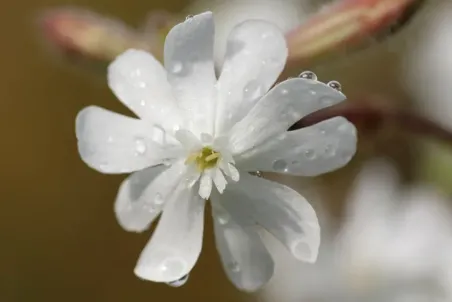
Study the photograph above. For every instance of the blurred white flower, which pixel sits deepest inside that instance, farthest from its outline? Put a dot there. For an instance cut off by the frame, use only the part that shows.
(428, 67)
(229, 13)
(394, 246)
(197, 138)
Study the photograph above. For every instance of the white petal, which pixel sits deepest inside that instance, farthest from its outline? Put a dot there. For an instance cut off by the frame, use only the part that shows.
(113, 143)
(189, 62)
(255, 56)
(245, 259)
(219, 179)
(284, 105)
(176, 243)
(205, 186)
(139, 81)
(143, 195)
(229, 170)
(310, 151)
(280, 210)
(188, 140)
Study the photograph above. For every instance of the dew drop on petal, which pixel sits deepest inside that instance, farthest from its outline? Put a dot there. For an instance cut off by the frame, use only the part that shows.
(140, 146)
(234, 267)
(335, 85)
(280, 165)
(326, 101)
(158, 200)
(180, 282)
(223, 218)
(309, 154)
(308, 75)
(173, 266)
(301, 250)
(143, 103)
(177, 67)
(252, 91)
(330, 150)
(110, 139)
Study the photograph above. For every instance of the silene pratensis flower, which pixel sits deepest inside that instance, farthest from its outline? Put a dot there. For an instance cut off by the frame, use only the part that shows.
(197, 138)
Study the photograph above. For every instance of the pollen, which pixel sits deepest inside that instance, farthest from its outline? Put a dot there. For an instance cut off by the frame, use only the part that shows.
(206, 158)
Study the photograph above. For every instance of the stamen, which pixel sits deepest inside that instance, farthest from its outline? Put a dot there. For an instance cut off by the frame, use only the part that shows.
(212, 156)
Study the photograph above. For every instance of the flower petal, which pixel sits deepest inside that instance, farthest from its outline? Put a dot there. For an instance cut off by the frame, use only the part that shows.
(255, 56)
(190, 66)
(284, 105)
(176, 243)
(310, 151)
(139, 81)
(113, 143)
(143, 195)
(245, 258)
(205, 186)
(280, 210)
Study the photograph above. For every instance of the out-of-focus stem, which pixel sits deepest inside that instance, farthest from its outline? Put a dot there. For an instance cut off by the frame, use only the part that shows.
(346, 26)
(369, 117)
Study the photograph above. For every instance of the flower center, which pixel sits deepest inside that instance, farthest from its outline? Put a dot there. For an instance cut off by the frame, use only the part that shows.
(206, 158)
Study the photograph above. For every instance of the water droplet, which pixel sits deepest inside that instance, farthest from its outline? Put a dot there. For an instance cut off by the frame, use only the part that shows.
(308, 75)
(335, 85)
(280, 165)
(177, 67)
(176, 128)
(258, 174)
(301, 250)
(189, 17)
(309, 154)
(251, 128)
(110, 139)
(252, 91)
(234, 267)
(326, 101)
(322, 132)
(284, 92)
(264, 62)
(141, 84)
(330, 150)
(158, 200)
(143, 103)
(173, 267)
(180, 282)
(140, 146)
(223, 218)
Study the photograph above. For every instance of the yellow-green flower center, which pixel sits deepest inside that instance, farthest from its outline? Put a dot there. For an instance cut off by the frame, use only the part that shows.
(206, 158)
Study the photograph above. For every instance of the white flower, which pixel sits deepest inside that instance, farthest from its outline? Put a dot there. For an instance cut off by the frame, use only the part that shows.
(430, 62)
(198, 137)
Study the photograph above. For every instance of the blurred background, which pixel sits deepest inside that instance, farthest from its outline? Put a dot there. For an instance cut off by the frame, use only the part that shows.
(385, 217)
